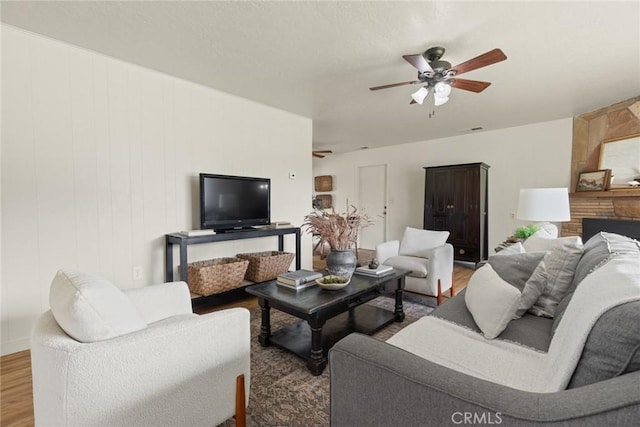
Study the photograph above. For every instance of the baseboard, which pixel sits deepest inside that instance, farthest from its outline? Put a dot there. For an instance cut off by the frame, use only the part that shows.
(14, 346)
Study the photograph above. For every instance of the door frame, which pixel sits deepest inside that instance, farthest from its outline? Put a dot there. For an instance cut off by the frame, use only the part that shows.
(386, 194)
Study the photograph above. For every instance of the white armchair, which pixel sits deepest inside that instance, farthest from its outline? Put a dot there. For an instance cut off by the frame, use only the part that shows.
(427, 255)
(137, 358)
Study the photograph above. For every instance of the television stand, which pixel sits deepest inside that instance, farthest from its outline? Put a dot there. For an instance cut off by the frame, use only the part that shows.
(183, 241)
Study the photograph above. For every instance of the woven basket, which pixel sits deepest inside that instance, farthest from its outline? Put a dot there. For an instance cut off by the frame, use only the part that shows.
(214, 276)
(265, 266)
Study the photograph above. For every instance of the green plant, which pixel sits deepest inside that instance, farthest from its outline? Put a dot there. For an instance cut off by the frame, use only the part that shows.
(525, 231)
(334, 279)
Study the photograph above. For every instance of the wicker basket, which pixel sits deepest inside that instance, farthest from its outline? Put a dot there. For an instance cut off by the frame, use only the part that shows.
(265, 266)
(215, 275)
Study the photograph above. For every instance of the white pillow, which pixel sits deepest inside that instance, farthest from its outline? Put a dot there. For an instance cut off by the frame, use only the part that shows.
(417, 242)
(491, 301)
(89, 308)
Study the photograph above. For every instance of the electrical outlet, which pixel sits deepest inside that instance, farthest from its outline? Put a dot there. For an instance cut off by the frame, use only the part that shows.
(137, 273)
(292, 175)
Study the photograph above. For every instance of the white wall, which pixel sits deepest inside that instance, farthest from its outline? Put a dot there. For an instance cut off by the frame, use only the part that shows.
(100, 160)
(537, 155)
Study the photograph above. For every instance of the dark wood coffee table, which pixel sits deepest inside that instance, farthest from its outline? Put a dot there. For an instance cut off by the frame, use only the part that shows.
(327, 316)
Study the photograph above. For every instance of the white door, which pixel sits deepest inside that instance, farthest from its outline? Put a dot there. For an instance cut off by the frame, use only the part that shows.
(372, 198)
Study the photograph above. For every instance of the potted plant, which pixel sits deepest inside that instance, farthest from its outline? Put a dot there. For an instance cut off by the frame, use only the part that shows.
(340, 231)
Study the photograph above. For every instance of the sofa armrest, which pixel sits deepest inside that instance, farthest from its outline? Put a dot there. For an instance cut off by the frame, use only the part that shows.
(376, 384)
(440, 266)
(386, 250)
(157, 302)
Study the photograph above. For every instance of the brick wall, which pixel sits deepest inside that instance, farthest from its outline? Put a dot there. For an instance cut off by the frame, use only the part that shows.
(599, 207)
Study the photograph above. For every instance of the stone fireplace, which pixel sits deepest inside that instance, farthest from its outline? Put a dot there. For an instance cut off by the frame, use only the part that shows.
(589, 130)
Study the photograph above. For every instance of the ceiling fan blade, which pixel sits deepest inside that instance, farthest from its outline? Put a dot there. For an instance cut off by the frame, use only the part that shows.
(413, 101)
(491, 57)
(470, 85)
(419, 62)
(322, 151)
(317, 155)
(395, 84)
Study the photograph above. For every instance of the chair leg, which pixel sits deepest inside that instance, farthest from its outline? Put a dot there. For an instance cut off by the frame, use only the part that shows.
(453, 286)
(439, 297)
(241, 411)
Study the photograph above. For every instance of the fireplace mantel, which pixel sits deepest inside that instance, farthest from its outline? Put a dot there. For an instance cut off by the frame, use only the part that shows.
(632, 192)
(589, 130)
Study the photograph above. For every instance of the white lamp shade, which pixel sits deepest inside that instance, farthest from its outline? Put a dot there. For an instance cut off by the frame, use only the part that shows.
(441, 93)
(442, 90)
(544, 204)
(420, 95)
(439, 101)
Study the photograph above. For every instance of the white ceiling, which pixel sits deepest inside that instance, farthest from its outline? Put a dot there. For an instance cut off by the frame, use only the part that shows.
(318, 59)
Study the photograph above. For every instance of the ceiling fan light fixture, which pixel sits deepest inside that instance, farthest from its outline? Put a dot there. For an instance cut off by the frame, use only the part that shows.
(441, 93)
(442, 89)
(440, 101)
(420, 95)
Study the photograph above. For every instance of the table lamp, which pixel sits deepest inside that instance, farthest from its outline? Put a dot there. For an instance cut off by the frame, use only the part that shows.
(544, 205)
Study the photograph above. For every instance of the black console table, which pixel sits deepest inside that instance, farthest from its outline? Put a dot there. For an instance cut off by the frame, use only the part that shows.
(183, 241)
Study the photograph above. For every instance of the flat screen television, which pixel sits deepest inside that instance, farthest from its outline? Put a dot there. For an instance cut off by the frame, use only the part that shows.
(234, 202)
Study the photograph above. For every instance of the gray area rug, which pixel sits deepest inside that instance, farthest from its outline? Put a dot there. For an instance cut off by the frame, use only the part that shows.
(283, 392)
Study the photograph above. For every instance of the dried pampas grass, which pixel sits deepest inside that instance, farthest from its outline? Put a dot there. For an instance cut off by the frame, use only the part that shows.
(339, 230)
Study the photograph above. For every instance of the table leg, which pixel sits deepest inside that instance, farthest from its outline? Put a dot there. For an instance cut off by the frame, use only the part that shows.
(168, 261)
(265, 328)
(399, 309)
(183, 261)
(317, 362)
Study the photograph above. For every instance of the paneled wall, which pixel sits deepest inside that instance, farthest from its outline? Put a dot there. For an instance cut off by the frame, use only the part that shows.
(100, 159)
(589, 130)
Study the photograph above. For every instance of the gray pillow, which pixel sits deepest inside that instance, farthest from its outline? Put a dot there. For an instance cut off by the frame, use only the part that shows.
(612, 347)
(516, 268)
(560, 265)
(598, 250)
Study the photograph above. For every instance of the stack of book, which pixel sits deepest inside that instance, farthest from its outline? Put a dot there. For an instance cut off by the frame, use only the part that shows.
(382, 270)
(205, 232)
(299, 279)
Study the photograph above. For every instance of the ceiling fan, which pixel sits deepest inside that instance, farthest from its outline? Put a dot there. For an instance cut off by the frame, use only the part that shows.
(438, 76)
(321, 153)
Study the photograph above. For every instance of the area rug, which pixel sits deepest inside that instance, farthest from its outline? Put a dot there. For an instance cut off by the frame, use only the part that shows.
(282, 391)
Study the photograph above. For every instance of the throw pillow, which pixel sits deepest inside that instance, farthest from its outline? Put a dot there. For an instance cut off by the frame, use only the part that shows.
(516, 268)
(416, 242)
(533, 288)
(598, 250)
(559, 266)
(491, 301)
(89, 308)
(516, 248)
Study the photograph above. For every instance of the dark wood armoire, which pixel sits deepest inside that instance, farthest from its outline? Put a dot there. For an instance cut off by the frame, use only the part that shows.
(455, 200)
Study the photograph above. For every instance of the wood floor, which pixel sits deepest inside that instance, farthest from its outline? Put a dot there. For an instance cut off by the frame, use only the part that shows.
(16, 402)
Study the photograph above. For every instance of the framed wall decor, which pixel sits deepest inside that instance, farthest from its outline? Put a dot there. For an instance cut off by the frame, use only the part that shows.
(325, 200)
(622, 156)
(594, 181)
(324, 183)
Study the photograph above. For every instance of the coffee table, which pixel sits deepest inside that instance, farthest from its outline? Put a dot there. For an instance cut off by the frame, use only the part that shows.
(327, 316)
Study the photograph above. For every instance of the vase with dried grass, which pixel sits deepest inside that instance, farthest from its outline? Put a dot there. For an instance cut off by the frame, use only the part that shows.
(340, 231)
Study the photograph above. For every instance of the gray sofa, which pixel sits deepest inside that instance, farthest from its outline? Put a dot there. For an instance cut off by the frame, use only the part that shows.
(374, 383)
